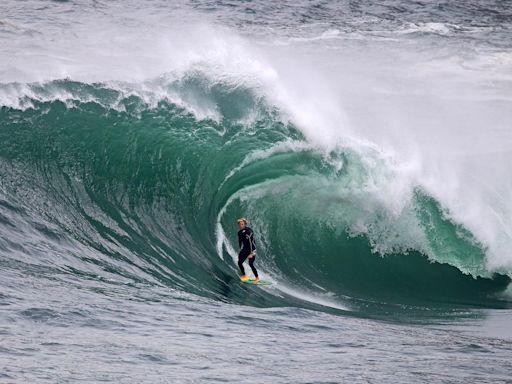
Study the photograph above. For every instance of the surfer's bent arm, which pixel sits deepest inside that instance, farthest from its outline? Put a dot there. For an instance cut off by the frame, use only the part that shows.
(252, 244)
(240, 241)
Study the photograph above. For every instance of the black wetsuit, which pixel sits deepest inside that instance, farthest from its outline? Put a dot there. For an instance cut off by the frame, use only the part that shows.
(247, 247)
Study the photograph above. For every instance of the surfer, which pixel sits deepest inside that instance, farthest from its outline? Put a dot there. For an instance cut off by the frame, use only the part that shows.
(247, 246)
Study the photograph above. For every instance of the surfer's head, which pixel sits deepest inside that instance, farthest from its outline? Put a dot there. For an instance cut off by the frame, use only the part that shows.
(242, 222)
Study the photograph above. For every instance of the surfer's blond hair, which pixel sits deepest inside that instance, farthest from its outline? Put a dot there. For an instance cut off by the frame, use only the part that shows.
(244, 220)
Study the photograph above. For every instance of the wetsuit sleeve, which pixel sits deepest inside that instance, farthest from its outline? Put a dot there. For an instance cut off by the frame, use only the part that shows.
(239, 239)
(252, 242)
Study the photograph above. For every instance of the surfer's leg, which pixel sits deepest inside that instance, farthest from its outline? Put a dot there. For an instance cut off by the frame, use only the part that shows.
(241, 259)
(251, 264)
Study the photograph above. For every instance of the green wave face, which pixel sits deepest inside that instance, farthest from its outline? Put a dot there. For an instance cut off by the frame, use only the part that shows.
(101, 184)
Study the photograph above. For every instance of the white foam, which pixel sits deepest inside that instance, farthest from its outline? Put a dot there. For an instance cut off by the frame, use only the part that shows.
(431, 27)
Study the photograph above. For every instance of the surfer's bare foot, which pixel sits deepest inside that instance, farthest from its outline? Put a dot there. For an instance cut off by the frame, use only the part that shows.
(244, 277)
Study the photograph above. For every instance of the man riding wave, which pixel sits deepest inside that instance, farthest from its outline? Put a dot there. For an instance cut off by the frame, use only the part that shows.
(247, 245)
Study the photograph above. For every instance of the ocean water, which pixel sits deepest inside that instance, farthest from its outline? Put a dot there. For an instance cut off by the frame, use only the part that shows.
(369, 144)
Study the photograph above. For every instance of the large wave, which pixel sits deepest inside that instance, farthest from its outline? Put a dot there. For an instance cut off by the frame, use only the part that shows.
(107, 186)
(130, 159)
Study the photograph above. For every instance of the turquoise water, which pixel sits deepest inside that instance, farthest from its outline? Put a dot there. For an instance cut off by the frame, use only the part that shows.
(368, 144)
